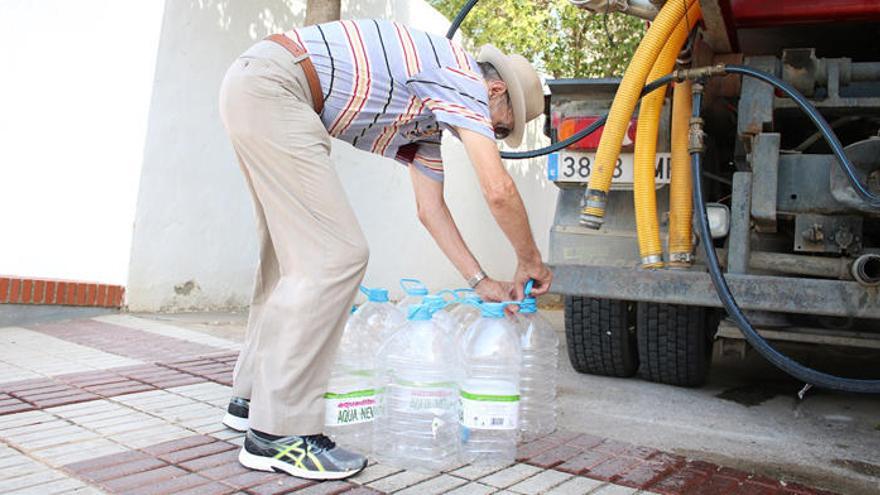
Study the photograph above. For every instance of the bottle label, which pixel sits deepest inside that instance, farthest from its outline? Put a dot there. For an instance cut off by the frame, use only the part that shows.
(349, 408)
(434, 398)
(489, 412)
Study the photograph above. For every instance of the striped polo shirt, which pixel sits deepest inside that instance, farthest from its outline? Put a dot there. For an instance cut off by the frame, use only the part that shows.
(392, 90)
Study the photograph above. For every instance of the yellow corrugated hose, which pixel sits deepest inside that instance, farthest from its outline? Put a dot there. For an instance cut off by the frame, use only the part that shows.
(681, 201)
(644, 192)
(622, 108)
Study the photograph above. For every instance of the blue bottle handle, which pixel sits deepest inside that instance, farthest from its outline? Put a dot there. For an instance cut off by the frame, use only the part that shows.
(416, 287)
(446, 292)
(375, 295)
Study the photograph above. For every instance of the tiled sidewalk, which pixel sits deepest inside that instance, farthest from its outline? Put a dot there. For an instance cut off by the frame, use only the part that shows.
(119, 404)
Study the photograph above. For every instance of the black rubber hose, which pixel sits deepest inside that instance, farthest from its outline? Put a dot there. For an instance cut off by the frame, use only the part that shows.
(565, 143)
(459, 18)
(786, 364)
(554, 147)
(836, 147)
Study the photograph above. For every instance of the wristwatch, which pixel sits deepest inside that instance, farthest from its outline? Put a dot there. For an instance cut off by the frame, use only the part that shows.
(476, 279)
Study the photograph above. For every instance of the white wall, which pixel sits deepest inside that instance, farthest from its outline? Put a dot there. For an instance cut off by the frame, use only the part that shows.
(75, 91)
(194, 245)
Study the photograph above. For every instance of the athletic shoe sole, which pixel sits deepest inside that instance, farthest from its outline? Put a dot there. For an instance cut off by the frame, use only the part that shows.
(270, 464)
(236, 423)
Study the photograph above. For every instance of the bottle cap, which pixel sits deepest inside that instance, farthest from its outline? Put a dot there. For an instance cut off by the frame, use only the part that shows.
(435, 302)
(419, 312)
(375, 295)
(528, 305)
(413, 287)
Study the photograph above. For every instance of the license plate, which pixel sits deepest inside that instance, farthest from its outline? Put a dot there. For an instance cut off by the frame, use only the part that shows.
(574, 166)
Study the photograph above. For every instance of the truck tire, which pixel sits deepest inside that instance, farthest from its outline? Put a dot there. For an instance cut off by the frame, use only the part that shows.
(600, 336)
(674, 343)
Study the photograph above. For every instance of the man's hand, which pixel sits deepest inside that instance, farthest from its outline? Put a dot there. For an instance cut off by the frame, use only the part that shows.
(535, 270)
(494, 291)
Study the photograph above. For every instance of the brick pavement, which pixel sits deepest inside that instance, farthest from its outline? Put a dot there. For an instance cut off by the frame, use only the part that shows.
(124, 405)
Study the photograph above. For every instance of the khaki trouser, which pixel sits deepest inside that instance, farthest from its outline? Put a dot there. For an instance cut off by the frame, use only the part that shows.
(312, 252)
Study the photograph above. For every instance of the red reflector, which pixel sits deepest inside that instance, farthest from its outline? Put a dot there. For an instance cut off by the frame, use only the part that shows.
(570, 126)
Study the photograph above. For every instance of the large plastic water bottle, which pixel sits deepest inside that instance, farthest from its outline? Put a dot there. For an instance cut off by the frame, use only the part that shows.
(540, 353)
(490, 391)
(437, 305)
(350, 402)
(414, 290)
(466, 311)
(417, 422)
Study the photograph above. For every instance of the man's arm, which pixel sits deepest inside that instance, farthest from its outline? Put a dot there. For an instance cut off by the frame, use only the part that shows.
(507, 207)
(437, 219)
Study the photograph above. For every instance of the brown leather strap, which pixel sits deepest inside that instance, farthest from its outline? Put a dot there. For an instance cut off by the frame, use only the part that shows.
(307, 66)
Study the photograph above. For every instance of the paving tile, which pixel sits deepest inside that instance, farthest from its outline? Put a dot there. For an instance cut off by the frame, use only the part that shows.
(475, 472)
(399, 481)
(473, 488)
(555, 456)
(37, 478)
(611, 489)
(510, 476)
(374, 472)
(126, 469)
(63, 485)
(73, 452)
(681, 480)
(583, 462)
(714, 486)
(611, 469)
(169, 331)
(227, 434)
(134, 481)
(751, 488)
(224, 471)
(87, 490)
(362, 490)
(91, 465)
(645, 474)
(194, 452)
(18, 420)
(540, 482)
(614, 447)
(279, 486)
(210, 488)
(251, 478)
(530, 449)
(576, 486)
(435, 486)
(585, 441)
(326, 488)
(37, 353)
(209, 461)
(122, 341)
(171, 485)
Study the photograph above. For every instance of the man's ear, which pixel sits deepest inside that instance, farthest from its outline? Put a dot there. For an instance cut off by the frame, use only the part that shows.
(497, 88)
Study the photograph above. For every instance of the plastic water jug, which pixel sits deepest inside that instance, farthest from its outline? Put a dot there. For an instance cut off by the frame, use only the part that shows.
(350, 401)
(540, 354)
(437, 305)
(417, 422)
(466, 311)
(414, 290)
(490, 393)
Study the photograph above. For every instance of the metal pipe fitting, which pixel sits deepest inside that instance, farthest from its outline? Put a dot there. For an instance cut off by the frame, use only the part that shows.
(698, 73)
(866, 269)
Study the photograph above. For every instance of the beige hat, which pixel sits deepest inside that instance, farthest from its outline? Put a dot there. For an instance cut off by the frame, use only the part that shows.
(523, 86)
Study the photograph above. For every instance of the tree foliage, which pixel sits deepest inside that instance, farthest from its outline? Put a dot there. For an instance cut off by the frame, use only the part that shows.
(560, 39)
